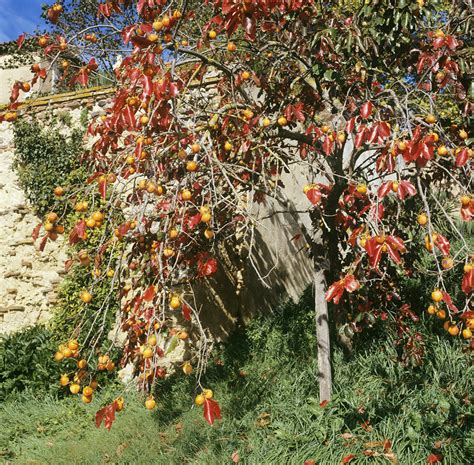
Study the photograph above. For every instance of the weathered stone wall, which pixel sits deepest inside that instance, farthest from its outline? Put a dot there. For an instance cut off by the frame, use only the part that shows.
(28, 277)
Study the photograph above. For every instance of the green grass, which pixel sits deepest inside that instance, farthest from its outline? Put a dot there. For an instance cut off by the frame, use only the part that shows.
(264, 379)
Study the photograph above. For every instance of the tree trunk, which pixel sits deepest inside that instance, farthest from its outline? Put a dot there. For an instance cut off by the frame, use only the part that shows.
(322, 334)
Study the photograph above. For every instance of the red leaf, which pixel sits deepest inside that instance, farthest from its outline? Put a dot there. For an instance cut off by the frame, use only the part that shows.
(468, 282)
(347, 459)
(335, 292)
(406, 189)
(211, 411)
(366, 109)
(20, 40)
(35, 232)
(314, 195)
(374, 251)
(350, 283)
(43, 242)
(384, 189)
(462, 157)
(447, 299)
(443, 244)
(434, 458)
(350, 125)
(328, 145)
(207, 267)
(78, 232)
(360, 136)
(106, 414)
(186, 312)
(103, 188)
(250, 26)
(324, 403)
(149, 293)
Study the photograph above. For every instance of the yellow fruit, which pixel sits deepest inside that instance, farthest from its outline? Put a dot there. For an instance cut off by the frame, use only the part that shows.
(402, 146)
(52, 217)
(58, 356)
(195, 148)
(168, 252)
(58, 191)
(442, 150)
(82, 364)
(186, 195)
(158, 26)
(467, 268)
(74, 388)
(431, 309)
(150, 403)
(245, 75)
(282, 121)
(73, 345)
(152, 341)
(441, 314)
(447, 263)
(206, 217)
(148, 353)
(395, 186)
(341, 137)
(463, 134)
(175, 302)
(85, 296)
(208, 394)
(187, 368)
(361, 189)
(467, 333)
(422, 219)
(119, 404)
(208, 233)
(110, 273)
(86, 399)
(437, 296)
(48, 227)
(227, 146)
(430, 119)
(88, 391)
(453, 330)
(231, 47)
(200, 399)
(438, 34)
(64, 380)
(98, 216)
(173, 233)
(67, 352)
(465, 200)
(266, 122)
(212, 34)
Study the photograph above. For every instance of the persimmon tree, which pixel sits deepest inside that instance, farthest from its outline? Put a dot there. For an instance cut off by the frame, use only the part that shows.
(215, 101)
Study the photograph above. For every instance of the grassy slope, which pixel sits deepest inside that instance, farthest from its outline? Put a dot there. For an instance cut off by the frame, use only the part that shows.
(266, 387)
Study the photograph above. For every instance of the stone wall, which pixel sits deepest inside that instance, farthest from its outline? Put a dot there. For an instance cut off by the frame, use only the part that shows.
(28, 277)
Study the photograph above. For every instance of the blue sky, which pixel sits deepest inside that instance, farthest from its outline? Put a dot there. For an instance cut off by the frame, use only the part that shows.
(18, 16)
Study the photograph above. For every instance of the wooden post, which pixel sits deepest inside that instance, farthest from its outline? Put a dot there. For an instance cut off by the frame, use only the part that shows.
(323, 337)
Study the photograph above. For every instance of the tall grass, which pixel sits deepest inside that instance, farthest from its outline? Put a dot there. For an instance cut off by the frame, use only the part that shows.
(265, 381)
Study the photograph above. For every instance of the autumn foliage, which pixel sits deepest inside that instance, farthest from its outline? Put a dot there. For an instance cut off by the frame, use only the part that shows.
(216, 100)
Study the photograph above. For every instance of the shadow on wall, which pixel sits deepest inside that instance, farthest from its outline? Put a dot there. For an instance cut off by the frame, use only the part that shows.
(279, 258)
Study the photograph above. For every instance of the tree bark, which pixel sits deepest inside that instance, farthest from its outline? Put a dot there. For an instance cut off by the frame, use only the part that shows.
(323, 337)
